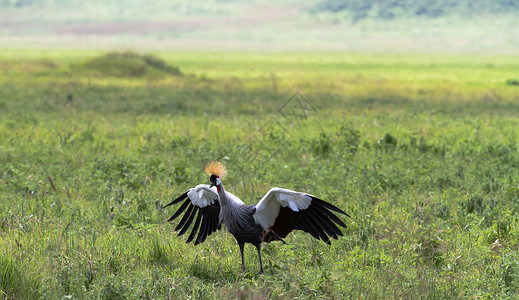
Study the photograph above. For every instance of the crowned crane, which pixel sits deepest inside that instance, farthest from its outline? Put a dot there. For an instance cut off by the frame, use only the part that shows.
(277, 214)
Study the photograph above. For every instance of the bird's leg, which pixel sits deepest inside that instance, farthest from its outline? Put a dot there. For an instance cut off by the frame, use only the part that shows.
(242, 244)
(258, 247)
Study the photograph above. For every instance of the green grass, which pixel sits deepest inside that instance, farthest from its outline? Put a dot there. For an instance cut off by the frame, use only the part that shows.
(421, 151)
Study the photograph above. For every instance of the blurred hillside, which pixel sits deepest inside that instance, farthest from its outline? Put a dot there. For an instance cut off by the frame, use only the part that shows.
(357, 10)
(399, 26)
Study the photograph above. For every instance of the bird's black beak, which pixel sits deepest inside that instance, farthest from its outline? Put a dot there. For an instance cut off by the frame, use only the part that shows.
(212, 184)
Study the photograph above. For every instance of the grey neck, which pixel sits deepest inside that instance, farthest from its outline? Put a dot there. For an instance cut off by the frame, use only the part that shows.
(224, 201)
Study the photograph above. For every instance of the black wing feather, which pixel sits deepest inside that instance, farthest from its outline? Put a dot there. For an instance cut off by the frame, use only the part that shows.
(322, 222)
(210, 220)
(329, 214)
(318, 226)
(195, 227)
(207, 218)
(203, 228)
(179, 198)
(300, 221)
(216, 217)
(189, 221)
(185, 218)
(326, 219)
(311, 222)
(329, 206)
(180, 210)
(318, 220)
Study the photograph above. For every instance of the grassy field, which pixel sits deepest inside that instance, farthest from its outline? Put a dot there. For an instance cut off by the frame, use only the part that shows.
(421, 151)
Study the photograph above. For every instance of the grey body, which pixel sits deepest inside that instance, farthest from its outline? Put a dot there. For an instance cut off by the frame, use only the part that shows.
(239, 221)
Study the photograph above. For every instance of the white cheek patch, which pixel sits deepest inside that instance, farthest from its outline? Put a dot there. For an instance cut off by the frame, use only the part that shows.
(218, 181)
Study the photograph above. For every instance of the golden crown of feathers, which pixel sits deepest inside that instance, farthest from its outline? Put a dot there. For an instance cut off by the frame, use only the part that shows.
(216, 168)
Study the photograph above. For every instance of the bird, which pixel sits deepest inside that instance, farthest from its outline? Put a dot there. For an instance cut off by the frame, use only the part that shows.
(278, 213)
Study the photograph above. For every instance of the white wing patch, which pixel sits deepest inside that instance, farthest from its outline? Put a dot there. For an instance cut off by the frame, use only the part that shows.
(233, 197)
(202, 195)
(292, 205)
(267, 210)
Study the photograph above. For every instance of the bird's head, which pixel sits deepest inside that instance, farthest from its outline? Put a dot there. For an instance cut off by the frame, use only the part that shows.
(216, 171)
(215, 180)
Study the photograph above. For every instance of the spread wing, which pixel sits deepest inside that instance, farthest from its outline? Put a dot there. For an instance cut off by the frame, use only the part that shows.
(202, 203)
(281, 211)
